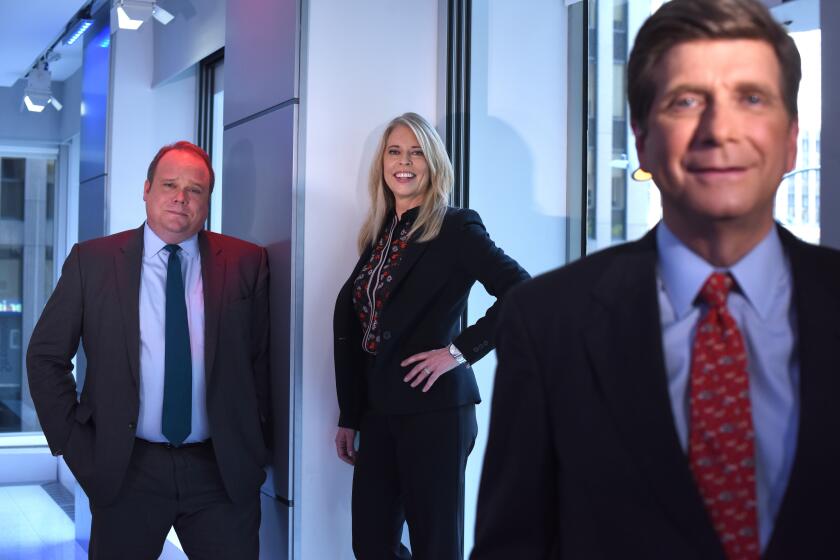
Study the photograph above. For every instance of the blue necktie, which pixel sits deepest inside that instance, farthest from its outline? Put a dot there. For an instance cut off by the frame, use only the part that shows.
(177, 384)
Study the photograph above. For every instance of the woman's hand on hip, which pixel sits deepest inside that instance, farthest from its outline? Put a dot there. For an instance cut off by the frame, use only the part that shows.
(429, 366)
(345, 441)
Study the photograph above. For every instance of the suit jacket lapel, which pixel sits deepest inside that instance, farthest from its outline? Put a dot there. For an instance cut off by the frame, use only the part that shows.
(213, 281)
(815, 296)
(127, 264)
(411, 255)
(624, 344)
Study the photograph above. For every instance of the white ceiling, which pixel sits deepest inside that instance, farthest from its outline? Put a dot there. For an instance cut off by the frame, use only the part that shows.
(27, 27)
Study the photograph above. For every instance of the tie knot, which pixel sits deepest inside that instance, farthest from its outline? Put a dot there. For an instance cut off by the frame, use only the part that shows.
(716, 289)
(173, 249)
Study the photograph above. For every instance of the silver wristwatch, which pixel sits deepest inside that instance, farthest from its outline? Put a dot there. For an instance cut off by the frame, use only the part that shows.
(455, 353)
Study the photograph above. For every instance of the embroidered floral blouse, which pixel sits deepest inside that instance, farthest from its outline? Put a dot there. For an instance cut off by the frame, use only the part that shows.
(372, 286)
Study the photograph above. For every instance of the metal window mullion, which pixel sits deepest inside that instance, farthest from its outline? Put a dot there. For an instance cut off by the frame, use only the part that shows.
(458, 96)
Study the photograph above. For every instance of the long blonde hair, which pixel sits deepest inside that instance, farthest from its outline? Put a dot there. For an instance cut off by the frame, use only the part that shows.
(436, 196)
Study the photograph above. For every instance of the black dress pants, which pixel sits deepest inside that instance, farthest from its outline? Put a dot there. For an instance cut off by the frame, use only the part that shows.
(181, 488)
(410, 468)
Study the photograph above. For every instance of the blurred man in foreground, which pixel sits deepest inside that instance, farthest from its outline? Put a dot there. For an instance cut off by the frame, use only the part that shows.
(673, 397)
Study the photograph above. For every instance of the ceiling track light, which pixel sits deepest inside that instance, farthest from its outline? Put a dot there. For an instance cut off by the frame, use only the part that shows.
(79, 27)
(131, 14)
(38, 91)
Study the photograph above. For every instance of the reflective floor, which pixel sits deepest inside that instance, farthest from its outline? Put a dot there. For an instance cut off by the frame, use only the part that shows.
(33, 526)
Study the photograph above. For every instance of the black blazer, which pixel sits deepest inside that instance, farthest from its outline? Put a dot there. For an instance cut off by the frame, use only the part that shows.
(583, 459)
(97, 300)
(428, 297)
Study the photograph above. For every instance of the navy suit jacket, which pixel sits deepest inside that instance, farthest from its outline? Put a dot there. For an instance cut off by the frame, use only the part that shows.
(583, 460)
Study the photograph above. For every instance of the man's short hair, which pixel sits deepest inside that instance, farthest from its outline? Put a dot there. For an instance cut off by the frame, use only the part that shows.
(680, 21)
(184, 146)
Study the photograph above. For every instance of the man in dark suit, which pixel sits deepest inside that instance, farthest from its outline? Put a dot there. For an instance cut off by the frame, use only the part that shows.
(672, 397)
(168, 428)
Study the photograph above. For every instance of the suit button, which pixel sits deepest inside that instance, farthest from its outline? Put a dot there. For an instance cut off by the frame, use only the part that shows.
(476, 348)
(131, 425)
(386, 335)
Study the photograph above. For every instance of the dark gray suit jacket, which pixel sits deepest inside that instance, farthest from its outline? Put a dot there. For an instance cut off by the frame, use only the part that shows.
(96, 301)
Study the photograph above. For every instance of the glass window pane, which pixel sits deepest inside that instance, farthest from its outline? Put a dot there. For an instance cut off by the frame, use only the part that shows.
(217, 152)
(11, 191)
(620, 30)
(797, 200)
(619, 91)
(27, 230)
(50, 189)
(625, 209)
(10, 326)
(518, 163)
(619, 205)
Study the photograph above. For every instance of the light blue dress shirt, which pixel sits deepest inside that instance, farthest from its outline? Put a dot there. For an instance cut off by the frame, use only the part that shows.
(763, 309)
(152, 335)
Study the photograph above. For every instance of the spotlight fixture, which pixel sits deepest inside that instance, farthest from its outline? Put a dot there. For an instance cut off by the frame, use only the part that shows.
(131, 14)
(38, 92)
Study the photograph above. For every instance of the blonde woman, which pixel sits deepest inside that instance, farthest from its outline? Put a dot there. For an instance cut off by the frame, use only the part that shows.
(402, 361)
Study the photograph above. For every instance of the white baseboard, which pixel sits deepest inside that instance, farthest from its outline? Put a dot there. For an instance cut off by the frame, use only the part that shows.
(65, 477)
(21, 465)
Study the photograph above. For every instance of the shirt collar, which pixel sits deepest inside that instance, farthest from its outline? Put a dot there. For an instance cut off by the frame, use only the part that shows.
(152, 244)
(409, 214)
(683, 272)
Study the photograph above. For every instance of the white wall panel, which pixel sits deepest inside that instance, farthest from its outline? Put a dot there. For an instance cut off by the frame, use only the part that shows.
(141, 120)
(71, 97)
(198, 30)
(361, 68)
(27, 465)
(261, 56)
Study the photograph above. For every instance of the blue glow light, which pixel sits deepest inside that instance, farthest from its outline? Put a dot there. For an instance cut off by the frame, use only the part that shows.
(102, 38)
(78, 30)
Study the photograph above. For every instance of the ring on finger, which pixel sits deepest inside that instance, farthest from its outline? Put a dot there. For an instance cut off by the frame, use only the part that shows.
(426, 371)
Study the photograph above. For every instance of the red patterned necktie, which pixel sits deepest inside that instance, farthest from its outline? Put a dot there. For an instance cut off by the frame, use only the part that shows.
(721, 448)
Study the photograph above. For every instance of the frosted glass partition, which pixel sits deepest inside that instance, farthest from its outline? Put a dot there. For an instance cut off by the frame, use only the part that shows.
(518, 158)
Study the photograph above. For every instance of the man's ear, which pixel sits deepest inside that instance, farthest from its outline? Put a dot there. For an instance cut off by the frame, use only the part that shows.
(146, 186)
